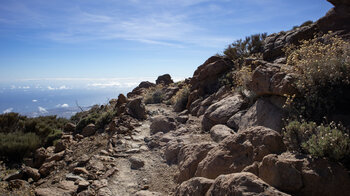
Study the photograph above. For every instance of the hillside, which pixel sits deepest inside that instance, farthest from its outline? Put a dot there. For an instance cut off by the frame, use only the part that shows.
(269, 116)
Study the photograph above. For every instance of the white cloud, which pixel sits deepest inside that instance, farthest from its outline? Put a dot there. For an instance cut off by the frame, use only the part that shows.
(63, 87)
(9, 110)
(42, 110)
(34, 100)
(65, 105)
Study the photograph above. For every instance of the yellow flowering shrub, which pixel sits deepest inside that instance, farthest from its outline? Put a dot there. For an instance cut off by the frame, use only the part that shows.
(323, 68)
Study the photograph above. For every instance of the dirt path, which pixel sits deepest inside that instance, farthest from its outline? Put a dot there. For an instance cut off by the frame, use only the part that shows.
(155, 175)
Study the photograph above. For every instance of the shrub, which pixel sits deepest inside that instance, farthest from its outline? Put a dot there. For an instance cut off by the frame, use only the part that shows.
(16, 145)
(322, 66)
(105, 118)
(154, 95)
(243, 48)
(329, 141)
(180, 99)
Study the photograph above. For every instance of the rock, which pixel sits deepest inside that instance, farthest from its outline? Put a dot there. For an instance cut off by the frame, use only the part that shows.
(19, 185)
(80, 170)
(162, 123)
(31, 173)
(67, 187)
(72, 177)
(136, 163)
(172, 150)
(63, 188)
(121, 100)
(262, 113)
(104, 192)
(82, 185)
(189, 157)
(300, 175)
(140, 89)
(83, 160)
(39, 157)
(47, 168)
(233, 122)
(69, 128)
(147, 193)
(220, 112)
(13, 176)
(170, 92)
(164, 79)
(97, 184)
(245, 184)
(268, 79)
(56, 157)
(89, 130)
(136, 109)
(253, 168)
(274, 43)
(197, 186)
(236, 152)
(47, 192)
(339, 2)
(205, 79)
(182, 119)
(220, 132)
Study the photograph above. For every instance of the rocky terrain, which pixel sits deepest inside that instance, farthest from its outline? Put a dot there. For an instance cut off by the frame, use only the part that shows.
(197, 136)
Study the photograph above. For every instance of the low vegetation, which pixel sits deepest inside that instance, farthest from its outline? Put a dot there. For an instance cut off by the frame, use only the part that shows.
(322, 66)
(98, 115)
(244, 48)
(325, 140)
(154, 95)
(20, 135)
(180, 99)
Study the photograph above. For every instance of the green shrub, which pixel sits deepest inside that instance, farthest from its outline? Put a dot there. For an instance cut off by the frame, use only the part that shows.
(322, 66)
(329, 141)
(104, 119)
(16, 145)
(154, 95)
(243, 48)
(53, 137)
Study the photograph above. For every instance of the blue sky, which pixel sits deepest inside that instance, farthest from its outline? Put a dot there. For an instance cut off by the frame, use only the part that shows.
(138, 39)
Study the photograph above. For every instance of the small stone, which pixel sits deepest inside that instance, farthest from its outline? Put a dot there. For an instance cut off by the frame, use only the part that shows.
(136, 163)
(80, 170)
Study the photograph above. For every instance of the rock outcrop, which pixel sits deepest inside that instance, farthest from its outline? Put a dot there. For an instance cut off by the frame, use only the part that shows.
(246, 184)
(164, 79)
(300, 175)
(236, 152)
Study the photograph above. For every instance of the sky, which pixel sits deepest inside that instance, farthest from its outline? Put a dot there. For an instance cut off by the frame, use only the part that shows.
(131, 40)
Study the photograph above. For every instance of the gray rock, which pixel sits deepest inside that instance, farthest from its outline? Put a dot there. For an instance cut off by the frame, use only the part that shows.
(136, 163)
(162, 124)
(220, 132)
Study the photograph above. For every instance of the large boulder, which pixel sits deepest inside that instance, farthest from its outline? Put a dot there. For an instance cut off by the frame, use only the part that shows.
(40, 156)
(269, 79)
(172, 150)
(197, 186)
(220, 112)
(162, 123)
(189, 157)
(140, 89)
(205, 79)
(263, 113)
(236, 152)
(274, 43)
(136, 109)
(164, 79)
(89, 130)
(220, 132)
(299, 175)
(242, 184)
